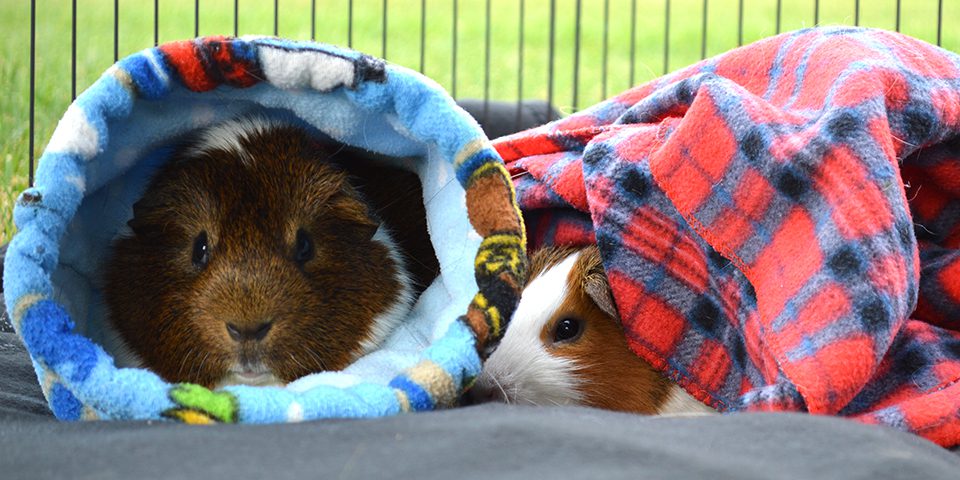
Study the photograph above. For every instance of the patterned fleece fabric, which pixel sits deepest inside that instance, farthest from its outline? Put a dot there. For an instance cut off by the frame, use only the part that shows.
(780, 224)
(111, 139)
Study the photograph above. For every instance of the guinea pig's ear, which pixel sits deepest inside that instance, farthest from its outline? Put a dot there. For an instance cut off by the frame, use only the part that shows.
(359, 210)
(596, 285)
(368, 228)
(140, 224)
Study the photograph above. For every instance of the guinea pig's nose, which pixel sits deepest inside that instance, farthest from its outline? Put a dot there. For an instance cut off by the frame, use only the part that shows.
(257, 332)
(479, 394)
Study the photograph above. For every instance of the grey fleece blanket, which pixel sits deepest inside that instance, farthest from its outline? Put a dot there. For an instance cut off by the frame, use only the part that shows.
(489, 441)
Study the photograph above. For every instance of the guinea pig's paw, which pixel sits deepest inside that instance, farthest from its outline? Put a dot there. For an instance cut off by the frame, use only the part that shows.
(681, 404)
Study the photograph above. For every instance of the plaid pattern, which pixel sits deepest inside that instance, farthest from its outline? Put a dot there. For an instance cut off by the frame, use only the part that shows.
(779, 223)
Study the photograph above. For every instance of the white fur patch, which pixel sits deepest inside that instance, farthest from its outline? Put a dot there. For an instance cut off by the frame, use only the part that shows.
(232, 136)
(681, 403)
(386, 322)
(521, 367)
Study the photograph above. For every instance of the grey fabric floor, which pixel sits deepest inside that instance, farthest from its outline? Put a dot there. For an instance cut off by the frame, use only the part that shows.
(483, 442)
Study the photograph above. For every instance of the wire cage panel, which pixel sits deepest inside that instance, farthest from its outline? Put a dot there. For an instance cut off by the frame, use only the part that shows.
(571, 53)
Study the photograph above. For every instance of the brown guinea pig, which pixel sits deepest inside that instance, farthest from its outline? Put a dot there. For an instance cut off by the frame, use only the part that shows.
(565, 346)
(253, 260)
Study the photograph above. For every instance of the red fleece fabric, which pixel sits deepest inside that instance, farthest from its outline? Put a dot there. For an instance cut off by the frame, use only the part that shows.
(780, 224)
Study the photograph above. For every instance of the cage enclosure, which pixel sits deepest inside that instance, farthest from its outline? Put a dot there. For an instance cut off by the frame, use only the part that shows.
(570, 54)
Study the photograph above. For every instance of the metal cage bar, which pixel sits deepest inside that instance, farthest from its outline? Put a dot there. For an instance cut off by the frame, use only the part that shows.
(521, 33)
(73, 50)
(666, 37)
(606, 46)
(116, 30)
(487, 26)
(576, 55)
(453, 61)
(740, 23)
(898, 16)
(633, 40)
(703, 32)
(350, 24)
(779, 15)
(423, 34)
(33, 83)
(606, 49)
(940, 23)
(552, 57)
(383, 31)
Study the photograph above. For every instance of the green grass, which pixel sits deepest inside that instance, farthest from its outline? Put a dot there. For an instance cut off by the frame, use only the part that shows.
(176, 21)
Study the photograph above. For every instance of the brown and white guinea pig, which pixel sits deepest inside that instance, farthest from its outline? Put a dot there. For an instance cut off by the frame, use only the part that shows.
(565, 346)
(252, 259)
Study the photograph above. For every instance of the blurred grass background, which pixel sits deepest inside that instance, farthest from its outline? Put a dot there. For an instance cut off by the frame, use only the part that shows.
(601, 21)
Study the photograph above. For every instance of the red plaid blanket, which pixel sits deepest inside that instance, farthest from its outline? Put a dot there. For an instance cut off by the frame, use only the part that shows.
(780, 224)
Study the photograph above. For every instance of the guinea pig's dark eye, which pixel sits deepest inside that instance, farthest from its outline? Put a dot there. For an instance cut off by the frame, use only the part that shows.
(303, 250)
(567, 329)
(201, 251)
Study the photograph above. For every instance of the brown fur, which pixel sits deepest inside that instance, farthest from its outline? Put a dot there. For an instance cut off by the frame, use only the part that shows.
(546, 258)
(613, 377)
(173, 314)
(397, 196)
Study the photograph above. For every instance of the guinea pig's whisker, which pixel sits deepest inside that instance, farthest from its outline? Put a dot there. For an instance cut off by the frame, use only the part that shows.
(398, 198)
(606, 398)
(349, 289)
(297, 361)
(316, 357)
(506, 398)
(340, 149)
(183, 361)
(432, 197)
(253, 74)
(586, 366)
(200, 368)
(410, 257)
